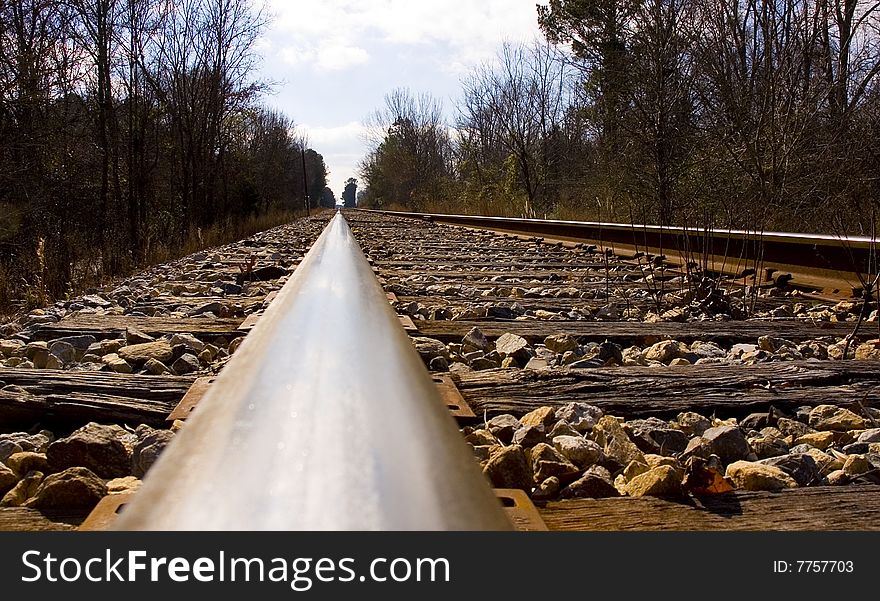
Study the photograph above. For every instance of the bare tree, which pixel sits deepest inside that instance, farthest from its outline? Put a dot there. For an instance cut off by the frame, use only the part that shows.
(412, 150)
(124, 125)
(513, 110)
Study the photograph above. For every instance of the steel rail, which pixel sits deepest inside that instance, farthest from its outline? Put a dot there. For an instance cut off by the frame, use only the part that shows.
(324, 419)
(821, 255)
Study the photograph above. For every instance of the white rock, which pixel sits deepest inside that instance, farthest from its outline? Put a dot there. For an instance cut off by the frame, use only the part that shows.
(578, 450)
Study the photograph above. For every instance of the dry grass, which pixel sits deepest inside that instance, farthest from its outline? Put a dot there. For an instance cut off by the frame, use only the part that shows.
(19, 294)
(220, 234)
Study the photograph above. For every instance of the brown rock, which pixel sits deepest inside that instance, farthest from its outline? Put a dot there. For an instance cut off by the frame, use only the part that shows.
(185, 364)
(791, 427)
(533, 363)
(156, 368)
(508, 467)
(593, 484)
(578, 450)
(820, 440)
(548, 489)
(542, 416)
(748, 475)
(580, 416)
(856, 465)
(529, 436)
(118, 486)
(728, 442)
(661, 481)
(692, 424)
(824, 462)
(428, 348)
(22, 491)
(838, 478)
(106, 450)
(135, 336)
(481, 438)
(666, 351)
(150, 444)
(768, 446)
(475, 339)
(115, 363)
(511, 345)
(481, 453)
(547, 461)
(26, 461)
(560, 343)
(503, 426)
(831, 417)
(562, 428)
(8, 479)
(75, 487)
(610, 434)
(160, 350)
(868, 351)
(233, 346)
(658, 460)
(800, 466)
(633, 469)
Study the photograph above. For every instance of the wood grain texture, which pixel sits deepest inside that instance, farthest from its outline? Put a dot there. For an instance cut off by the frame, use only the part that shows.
(70, 399)
(631, 392)
(111, 326)
(21, 519)
(821, 508)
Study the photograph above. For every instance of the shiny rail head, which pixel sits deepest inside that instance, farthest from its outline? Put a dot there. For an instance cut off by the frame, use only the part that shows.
(324, 419)
(757, 234)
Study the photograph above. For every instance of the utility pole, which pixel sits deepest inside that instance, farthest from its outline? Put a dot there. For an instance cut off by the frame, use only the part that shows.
(305, 182)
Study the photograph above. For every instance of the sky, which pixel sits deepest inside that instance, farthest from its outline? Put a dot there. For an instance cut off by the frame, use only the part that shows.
(334, 60)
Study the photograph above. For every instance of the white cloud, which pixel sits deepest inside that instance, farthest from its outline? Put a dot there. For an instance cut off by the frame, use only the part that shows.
(420, 44)
(326, 55)
(334, 136)
(337, 30)
(341, 56)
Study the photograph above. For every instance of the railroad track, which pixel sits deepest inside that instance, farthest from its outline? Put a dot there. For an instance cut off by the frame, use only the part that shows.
(601, 385)
(823, 263)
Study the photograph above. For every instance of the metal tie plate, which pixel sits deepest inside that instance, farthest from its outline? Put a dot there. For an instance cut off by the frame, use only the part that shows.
(105, 512)
(517, 505)
(408, 324)
(450, 394)
(189, 401)
(520, 509)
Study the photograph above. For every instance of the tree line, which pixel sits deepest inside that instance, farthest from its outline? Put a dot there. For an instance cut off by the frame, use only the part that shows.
(130, 129)
(710, 113)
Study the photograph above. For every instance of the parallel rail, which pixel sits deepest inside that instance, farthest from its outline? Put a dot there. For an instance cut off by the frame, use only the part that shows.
(324, 419)
(823, 261)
